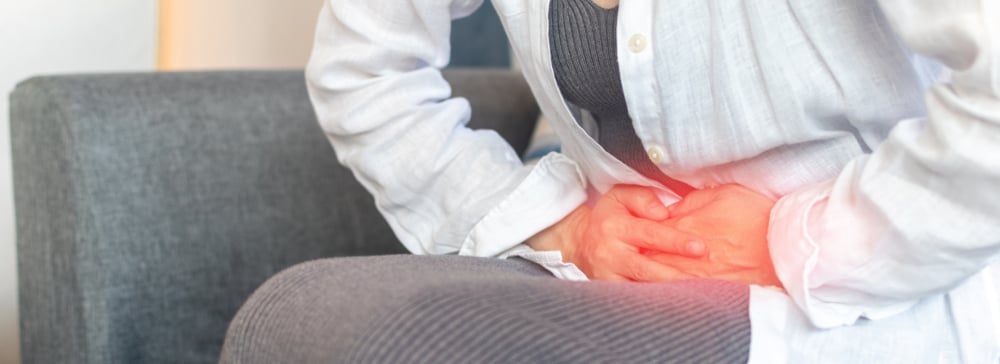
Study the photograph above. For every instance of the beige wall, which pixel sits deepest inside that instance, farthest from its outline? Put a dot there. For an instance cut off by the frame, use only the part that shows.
(199, 34)
(58, 36)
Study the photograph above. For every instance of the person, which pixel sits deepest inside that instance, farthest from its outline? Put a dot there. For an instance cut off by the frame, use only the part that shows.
(819, 176)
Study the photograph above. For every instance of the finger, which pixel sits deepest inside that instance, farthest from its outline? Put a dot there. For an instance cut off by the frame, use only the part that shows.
(607, 273)
(697, 267)
(643, 269)
(640, 202)
(651, 235)
(691, 203)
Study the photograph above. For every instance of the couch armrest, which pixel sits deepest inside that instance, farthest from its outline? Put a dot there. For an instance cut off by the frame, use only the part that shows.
(149, 206)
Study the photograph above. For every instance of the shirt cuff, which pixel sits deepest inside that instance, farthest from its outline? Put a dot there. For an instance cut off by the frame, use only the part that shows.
(551, 260)
(797, 255)
(551, 191)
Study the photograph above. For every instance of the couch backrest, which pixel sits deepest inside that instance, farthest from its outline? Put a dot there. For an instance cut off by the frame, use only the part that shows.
(149, 206)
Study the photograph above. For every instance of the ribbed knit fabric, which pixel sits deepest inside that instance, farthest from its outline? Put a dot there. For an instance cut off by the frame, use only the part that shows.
(450, 309)
(585, 61)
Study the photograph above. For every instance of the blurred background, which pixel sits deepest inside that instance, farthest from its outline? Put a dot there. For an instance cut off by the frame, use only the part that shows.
(66, 36)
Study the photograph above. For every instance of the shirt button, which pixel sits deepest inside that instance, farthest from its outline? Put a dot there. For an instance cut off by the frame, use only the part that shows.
(655, 155)
(637, 43)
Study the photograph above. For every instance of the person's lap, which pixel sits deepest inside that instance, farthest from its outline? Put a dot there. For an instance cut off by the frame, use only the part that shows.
(444, 309)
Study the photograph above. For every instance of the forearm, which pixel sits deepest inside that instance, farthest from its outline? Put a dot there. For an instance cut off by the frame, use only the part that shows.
(375, 83)
(559, 236)
(922, 213)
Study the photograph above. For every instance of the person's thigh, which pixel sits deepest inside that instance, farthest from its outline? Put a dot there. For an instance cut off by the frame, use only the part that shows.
(444, 309)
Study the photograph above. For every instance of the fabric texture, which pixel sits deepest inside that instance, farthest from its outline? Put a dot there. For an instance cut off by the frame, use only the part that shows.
(374, 80)
(448, 309)
(585, 62)
(886, 191)
(151, 205)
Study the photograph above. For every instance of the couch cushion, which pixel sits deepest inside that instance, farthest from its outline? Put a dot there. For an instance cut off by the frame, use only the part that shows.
(149, 206)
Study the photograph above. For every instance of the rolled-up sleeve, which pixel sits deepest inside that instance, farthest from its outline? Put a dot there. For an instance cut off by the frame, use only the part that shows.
(374, 79)
(921, 214)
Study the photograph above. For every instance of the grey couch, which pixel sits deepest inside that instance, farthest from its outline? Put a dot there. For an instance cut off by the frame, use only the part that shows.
(150, 206)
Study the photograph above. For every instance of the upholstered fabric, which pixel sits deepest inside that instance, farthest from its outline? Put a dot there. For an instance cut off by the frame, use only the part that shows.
(150, 206)
(452, 309)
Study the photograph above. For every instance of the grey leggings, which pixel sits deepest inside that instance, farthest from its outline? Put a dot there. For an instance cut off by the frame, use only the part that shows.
(449, 309)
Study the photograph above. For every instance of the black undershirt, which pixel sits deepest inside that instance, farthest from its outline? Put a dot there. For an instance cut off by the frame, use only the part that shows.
(585, 61)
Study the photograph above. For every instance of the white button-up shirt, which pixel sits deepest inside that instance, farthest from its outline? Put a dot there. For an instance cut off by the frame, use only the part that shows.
(887, 223)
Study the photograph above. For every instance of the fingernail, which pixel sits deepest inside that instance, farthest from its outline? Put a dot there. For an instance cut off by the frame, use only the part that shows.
(696, 247)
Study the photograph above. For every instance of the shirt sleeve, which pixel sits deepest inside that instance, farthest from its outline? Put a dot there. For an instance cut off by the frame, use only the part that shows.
(921, 214)
(374, 79)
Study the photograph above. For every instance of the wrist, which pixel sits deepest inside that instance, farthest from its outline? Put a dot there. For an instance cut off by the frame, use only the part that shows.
(560, 235)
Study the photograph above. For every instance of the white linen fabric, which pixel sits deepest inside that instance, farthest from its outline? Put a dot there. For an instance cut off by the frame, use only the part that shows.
(888, 184)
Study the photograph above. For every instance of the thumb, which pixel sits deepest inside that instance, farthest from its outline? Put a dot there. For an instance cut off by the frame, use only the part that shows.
(641, 202)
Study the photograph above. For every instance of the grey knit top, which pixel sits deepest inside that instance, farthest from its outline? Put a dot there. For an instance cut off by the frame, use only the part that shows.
(585, 62)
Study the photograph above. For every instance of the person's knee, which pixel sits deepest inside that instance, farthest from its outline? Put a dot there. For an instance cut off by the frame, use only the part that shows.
(277, 310)
(338, 300)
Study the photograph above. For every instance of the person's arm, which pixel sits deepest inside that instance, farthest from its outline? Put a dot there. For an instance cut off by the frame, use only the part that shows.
(375, 83)
(374, 80)
(920, 214)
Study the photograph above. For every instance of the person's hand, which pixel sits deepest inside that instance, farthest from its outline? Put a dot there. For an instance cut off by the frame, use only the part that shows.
(606, 242)
(732, 220)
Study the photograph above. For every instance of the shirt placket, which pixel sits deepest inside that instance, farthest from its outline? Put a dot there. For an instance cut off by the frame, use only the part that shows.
(635, 58)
